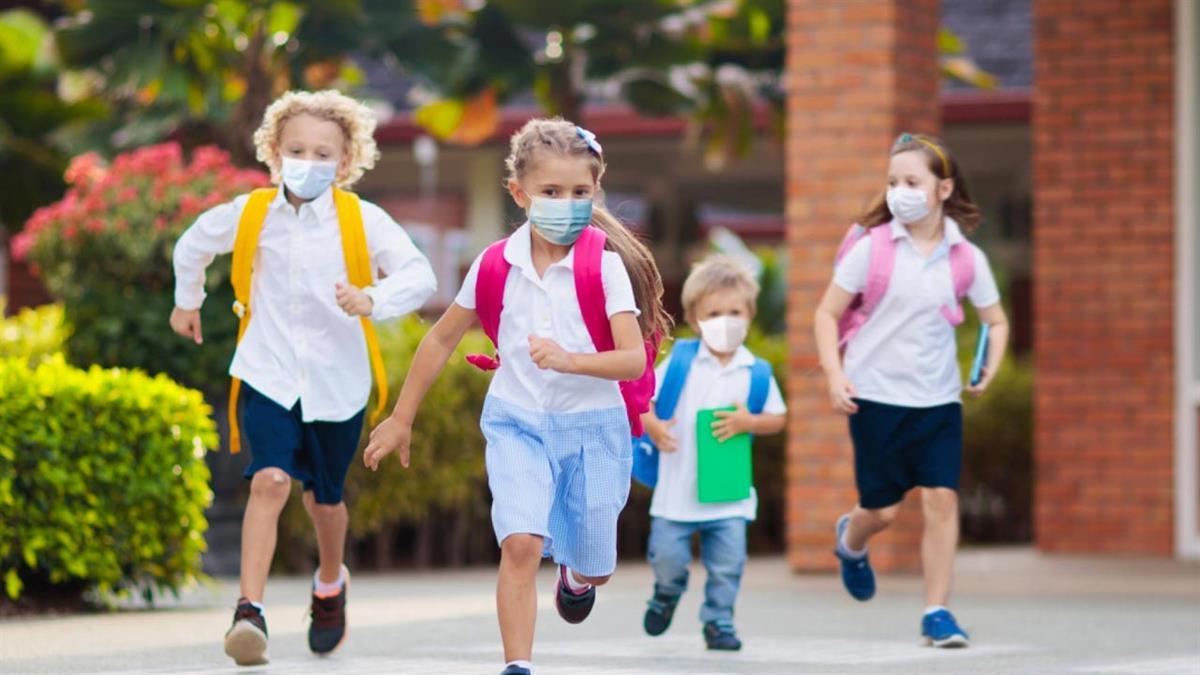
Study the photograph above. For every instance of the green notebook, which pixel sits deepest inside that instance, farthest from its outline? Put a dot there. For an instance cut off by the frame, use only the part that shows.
(724, 472)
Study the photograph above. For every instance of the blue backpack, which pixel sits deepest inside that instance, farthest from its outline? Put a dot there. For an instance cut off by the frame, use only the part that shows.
(645, 453)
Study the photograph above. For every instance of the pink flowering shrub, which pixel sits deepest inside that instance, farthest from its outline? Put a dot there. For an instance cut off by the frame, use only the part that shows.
(104, 250)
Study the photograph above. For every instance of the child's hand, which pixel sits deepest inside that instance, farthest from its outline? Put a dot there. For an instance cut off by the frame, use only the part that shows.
(985, 378)
(353, 300)
(186, 322)
(390, 435)
(660, 432)
(730, 423)
(841, 395)
(546, 354)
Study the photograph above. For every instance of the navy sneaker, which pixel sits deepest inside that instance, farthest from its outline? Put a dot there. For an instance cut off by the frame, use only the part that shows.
(246, 639)
(659, 612)
(941, 630)
(516, 670)
(720, 636)
(328, 627)
(572, 607)
(857, 576)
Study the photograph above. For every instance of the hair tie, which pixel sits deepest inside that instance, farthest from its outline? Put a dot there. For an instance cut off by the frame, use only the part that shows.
(909, 138)
(590, 138)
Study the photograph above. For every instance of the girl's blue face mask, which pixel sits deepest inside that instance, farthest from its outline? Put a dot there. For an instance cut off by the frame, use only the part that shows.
(560, 221)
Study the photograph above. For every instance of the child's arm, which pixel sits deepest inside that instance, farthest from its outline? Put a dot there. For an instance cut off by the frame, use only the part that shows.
(660, 431)
(435, 349)
(825, 324)
(997, 322)
(212, 234)
(408, 280)
(730, 423)
(627, 361)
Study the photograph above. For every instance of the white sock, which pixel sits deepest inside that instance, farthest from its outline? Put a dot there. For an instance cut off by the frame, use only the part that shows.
(322, 588)
(520, 664)
(259, 606)
(846, 547)
(935, 608)
(573, 585)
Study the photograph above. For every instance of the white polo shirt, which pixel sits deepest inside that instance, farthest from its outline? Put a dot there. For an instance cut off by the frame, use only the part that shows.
(300, 345)
(709, 385)
(548, 307)
(905, 354)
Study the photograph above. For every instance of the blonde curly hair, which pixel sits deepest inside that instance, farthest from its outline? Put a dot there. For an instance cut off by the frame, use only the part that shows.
(356, 120)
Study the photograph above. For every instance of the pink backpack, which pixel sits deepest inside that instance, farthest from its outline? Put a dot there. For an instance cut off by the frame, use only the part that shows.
(879, 275)
(589, 288)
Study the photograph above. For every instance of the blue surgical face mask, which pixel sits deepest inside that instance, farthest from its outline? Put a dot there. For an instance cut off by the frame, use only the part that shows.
(560, 221)
(306, 178)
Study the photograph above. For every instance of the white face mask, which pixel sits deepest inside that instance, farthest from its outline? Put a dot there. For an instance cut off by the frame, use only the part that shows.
(306, 178)
(724, 334)
(907, 204)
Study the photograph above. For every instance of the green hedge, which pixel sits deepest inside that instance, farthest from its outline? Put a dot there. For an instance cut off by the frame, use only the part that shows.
(32, 334)
(103, 483)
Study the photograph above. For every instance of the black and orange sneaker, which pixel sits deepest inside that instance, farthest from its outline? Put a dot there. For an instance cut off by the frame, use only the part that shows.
(328, 626)
(246, 639)
(572, 607)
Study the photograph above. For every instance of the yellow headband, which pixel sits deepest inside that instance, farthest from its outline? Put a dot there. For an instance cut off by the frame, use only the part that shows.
(907, 138)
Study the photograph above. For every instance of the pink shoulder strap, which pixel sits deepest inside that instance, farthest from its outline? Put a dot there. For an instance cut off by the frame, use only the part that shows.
(489, 299)
(879, 267)
(962, 274)
(589, 287)
(855, 233)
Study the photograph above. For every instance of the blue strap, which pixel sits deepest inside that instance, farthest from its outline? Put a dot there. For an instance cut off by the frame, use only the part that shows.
(760, 386)
(682, 355)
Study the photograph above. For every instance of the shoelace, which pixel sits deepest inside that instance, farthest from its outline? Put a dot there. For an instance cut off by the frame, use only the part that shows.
(325, 611)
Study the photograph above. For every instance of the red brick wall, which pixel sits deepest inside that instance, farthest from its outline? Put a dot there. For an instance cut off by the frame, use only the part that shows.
(858, 73)
(1103, 271)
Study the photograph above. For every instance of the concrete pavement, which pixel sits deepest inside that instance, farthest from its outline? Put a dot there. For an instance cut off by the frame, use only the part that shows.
(1027, 614)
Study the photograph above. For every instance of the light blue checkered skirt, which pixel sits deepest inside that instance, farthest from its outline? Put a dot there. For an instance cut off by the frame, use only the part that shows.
(561, 476)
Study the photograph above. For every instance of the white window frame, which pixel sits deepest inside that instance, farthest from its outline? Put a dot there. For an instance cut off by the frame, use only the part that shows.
(1187, 221)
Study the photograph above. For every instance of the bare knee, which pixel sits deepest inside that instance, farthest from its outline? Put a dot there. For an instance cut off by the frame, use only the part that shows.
(524, 550)
(271, 485)
(883, 517)
(939, 504)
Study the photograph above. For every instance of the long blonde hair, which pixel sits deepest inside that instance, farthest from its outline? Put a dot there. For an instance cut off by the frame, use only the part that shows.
(563, 138)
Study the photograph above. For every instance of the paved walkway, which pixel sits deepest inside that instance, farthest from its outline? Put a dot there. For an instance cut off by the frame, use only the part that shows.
(1027, 614)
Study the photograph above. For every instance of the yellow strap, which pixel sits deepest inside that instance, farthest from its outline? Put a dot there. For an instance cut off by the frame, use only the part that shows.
(358, 270)
(244, 247)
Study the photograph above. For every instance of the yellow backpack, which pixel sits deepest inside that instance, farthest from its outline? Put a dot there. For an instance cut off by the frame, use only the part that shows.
(358, 268)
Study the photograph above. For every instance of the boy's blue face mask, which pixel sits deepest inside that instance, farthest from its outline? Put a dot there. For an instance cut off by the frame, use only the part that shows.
(560, 221)
(307, 179)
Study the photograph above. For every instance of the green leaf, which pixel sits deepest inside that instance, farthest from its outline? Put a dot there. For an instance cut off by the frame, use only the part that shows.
(440, 118)
(12, 584)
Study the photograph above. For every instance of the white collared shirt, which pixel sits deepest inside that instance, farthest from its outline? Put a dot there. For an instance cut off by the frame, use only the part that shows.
(300, 346)
(709, 385)
(906, 353)
(548, 307)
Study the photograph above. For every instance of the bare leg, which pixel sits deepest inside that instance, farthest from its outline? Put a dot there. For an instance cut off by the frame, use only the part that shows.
(269, 490)
(330, 521)
(516, 594)
(866, 523)
(939, 542)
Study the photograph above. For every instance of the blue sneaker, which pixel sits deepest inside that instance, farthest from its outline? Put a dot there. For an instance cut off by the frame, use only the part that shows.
(857, 576)
(941, 630)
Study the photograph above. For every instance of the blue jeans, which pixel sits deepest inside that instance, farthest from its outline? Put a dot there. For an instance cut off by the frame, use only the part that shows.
(722, 549)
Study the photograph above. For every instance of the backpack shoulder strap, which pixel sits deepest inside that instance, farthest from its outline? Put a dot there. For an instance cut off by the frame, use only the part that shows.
(879, 269)
(682, 355)
(245, 245)
(760, 386)
(855, 233)
(360, 274)
(962, 275)
(589, 286)
(489, 288)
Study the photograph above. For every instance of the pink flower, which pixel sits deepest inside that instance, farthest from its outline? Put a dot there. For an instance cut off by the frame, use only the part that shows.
(160, 224)
(189, 205)
(84, 169)
(93, 225)
(69, 232)
(127, 195)
(21, 245)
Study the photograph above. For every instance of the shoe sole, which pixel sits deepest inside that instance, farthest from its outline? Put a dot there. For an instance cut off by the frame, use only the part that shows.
(837, 536)
(953, 642)
(246, 644)
(346, 632)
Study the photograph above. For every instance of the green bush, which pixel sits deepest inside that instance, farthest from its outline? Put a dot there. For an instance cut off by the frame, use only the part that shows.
(102, 479)
(446, 473)
(104, 250)
(33, 334)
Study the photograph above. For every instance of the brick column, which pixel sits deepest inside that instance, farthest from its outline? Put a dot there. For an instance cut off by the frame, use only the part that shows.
(1103, 270)
(858, 73)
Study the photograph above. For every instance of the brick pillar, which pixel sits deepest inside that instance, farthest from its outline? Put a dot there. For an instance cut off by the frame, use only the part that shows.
(1103, 269)
(858, 73)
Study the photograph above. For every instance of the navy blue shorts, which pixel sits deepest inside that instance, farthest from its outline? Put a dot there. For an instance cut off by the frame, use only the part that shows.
(898, 448)
(317, 454)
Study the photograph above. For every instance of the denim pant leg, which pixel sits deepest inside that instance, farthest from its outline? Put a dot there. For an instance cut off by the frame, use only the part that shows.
(723, 550)
(670, 551)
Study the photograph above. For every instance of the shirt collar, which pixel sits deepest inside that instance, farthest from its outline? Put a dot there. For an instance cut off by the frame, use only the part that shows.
(742, 358)
(519, 251)
(322, 206)
(951, 232)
